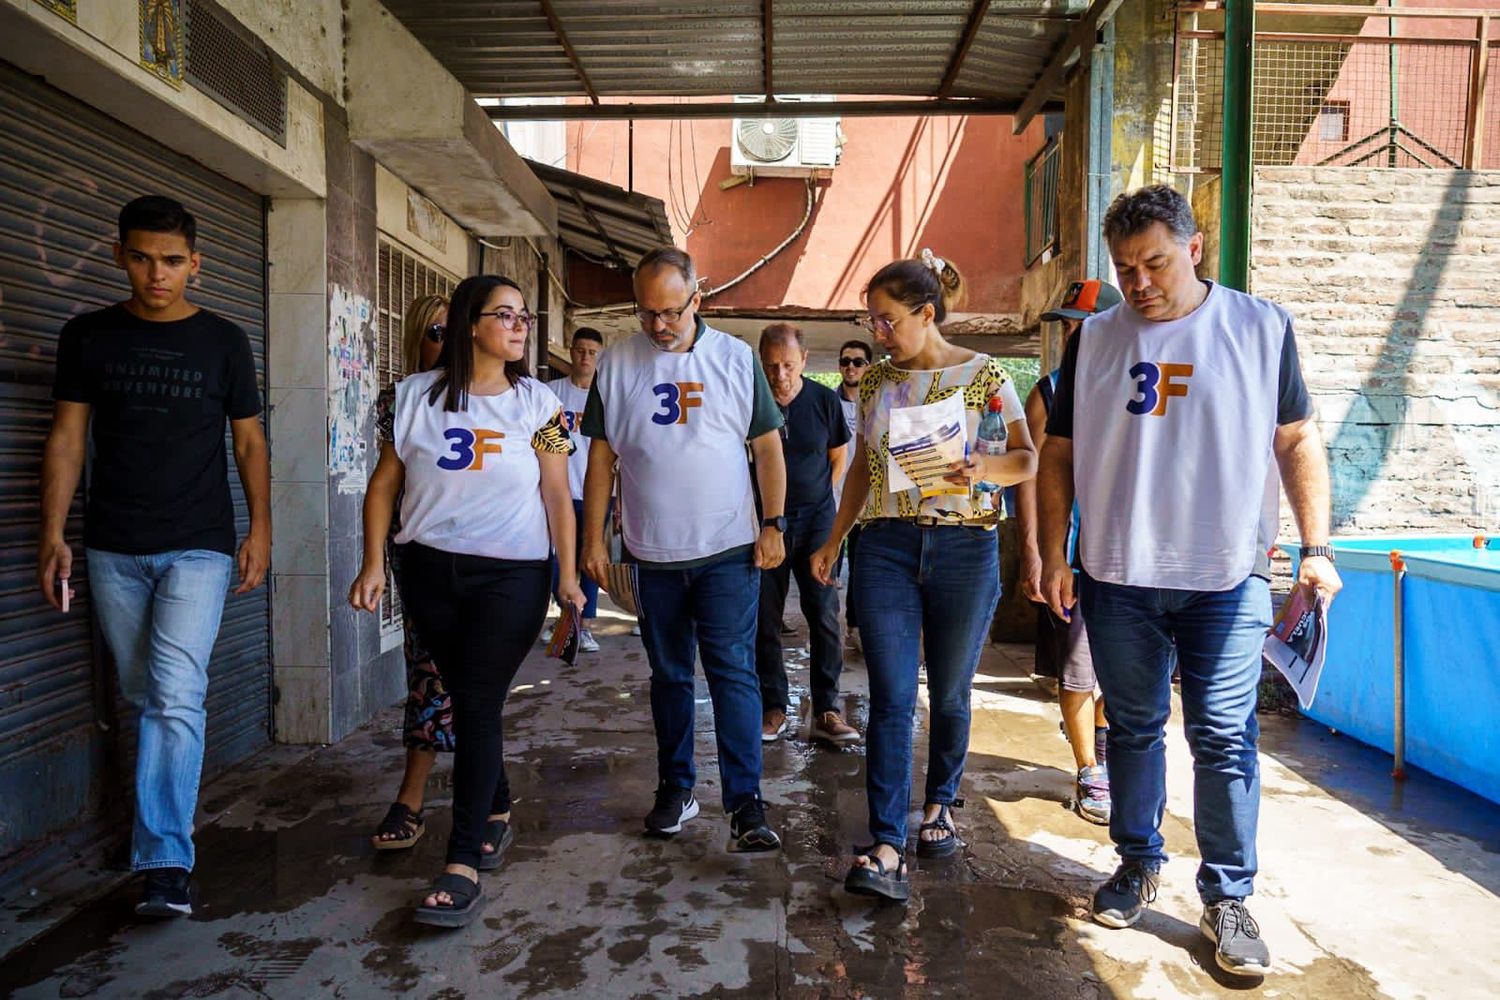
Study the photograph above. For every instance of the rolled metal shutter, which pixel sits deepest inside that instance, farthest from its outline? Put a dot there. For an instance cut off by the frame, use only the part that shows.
(65, 170)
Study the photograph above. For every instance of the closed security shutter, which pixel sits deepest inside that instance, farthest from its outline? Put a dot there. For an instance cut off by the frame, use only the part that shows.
(65, 171)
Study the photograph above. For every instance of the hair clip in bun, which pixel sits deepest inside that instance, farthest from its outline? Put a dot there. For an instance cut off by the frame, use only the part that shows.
(933, 262)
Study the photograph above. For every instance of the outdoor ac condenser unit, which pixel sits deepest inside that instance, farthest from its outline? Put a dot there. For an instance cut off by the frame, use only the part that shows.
(784, 146)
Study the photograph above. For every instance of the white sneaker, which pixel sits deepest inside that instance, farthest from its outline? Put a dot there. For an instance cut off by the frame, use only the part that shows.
(635, 629)
(587, 643)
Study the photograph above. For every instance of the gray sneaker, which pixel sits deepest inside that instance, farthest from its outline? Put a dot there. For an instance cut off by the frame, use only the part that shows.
(1121, 901)
(1091, 794)
(1236, 936)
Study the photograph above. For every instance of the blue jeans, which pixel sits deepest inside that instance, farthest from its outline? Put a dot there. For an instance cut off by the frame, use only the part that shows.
(586, 583)
(708, 610)
(937, 587)
(1217, 637)
(160, 616)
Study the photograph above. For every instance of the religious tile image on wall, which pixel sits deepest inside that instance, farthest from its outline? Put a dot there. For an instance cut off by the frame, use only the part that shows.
(63, 8)
(162, 39)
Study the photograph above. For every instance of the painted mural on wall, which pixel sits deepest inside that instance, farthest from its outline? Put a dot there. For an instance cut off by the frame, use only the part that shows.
(352, 387)
(161, 39)
(66, 8)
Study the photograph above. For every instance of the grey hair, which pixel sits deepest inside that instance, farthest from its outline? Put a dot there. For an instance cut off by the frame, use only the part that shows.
(782, 335)
(678, 260)
(1133, 212)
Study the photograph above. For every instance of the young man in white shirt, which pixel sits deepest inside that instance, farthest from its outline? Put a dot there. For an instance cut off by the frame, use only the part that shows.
(573, 390)
(676, 405)
(1173, 413)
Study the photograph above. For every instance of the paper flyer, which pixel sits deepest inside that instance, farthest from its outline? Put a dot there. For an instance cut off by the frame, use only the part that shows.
(1297, 642)
(924, 443)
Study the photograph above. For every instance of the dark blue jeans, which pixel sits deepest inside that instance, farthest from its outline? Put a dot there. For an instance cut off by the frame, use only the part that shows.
(937, 587)
(708, 611)
(586, 583)
(1217, 638)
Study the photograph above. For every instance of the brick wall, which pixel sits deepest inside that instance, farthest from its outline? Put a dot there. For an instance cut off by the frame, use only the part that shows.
(1393, 277)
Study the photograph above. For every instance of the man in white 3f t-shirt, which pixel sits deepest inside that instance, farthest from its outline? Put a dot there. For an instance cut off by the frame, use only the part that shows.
(573, 391)
(1172, 414)
(676, 405)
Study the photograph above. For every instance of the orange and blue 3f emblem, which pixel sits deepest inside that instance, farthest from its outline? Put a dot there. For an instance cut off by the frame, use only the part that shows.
(1154, 386)
(676, 399)
(468, 448)
(572, 420)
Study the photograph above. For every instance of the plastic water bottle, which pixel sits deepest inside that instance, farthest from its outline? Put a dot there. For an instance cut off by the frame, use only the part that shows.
(989, 439)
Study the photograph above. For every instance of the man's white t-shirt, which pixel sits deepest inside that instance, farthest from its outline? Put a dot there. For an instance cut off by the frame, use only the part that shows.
(573, 401)
(1172, 426)
(473, 480)
(851, 417)
(679, 422)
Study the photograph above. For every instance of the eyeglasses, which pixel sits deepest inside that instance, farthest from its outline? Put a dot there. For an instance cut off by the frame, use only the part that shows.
(648, 317)
(511, 320)
(852, 362)
(881, 325)
(435, 333)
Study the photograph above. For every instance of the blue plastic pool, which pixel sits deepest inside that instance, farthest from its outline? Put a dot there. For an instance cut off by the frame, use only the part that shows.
(1452, 624)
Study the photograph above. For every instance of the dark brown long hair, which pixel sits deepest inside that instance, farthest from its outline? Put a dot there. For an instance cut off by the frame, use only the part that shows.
(457, 360)
(914, 284)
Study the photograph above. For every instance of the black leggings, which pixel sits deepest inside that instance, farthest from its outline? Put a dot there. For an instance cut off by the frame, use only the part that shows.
(479, 618)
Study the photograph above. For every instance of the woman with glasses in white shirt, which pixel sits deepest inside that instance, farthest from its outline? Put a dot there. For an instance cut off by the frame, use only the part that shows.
(479, 456)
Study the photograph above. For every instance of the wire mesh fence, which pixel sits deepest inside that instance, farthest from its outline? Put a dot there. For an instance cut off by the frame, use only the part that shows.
(1375, 98)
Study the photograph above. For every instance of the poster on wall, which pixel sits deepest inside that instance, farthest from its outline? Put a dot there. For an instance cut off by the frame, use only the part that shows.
(351, 386)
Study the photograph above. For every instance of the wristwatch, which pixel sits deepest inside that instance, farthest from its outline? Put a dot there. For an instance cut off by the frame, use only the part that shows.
(1326, 551)
(779, 523)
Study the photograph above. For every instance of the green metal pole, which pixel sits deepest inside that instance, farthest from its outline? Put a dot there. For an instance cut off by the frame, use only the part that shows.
(1235, 174)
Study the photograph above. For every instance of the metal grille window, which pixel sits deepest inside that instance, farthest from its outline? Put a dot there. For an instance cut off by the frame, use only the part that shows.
(1354, 91)
(401, 278)
(1042, 172)
(234, 68)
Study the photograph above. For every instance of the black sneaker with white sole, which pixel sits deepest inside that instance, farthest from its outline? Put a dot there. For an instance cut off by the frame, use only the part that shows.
(1238, 947)
(748, 832)
(1121, 901)
(165, 894)
(674, 807)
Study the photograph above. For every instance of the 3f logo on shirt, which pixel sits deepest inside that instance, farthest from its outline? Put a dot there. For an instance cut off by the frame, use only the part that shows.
(1154, 386)
(468, 448)
(572, 420)
(676, 399)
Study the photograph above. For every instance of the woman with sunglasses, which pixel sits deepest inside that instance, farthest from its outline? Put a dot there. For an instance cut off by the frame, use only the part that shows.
(928, 575)
(427, 725)
(479, 449)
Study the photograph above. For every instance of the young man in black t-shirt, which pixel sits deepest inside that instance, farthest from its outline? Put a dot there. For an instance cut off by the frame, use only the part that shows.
(815, 440)
(158, 376)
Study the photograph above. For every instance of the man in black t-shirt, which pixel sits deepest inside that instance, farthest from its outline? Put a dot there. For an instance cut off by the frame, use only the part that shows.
(158, 376)
(815, 440)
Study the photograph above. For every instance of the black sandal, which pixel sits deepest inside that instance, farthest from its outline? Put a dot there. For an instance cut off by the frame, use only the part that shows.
(468, 901)
(945, 847)
(879, 882)
(499, 835)
(399, 820)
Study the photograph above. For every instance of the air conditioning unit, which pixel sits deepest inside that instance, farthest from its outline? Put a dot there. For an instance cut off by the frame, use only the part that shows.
(785, 146)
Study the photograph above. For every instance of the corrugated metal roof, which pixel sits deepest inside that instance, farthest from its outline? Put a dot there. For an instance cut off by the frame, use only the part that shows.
(684, 48)
(601, 221)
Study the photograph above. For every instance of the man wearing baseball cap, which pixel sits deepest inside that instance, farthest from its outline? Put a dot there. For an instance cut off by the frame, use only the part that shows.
(1062, 645)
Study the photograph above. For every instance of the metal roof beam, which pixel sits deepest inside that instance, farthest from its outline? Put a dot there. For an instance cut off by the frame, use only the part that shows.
(767, 51)
(1079, 40)
(956, 64)
(719, 109)
(562, 38)
(593, 220)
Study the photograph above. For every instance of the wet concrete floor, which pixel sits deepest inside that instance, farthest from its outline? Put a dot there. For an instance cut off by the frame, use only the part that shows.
(1366, 890)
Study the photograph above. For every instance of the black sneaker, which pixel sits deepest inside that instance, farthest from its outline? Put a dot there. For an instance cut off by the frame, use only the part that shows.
(748, 832)
(1236, 937)
(1121, 901)
(674, 807)
(165, 894)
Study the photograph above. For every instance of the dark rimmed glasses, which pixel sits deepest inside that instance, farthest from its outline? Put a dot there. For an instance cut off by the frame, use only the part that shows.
(648, 317)
(852, 362)
(512, 320)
